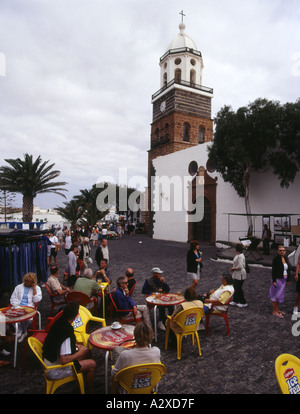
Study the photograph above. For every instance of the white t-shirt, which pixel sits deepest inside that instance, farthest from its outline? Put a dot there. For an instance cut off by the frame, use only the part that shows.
(58, 373)
(68, 242)
(136, 356)
(65, 349)
(54, 241)
(105, 253)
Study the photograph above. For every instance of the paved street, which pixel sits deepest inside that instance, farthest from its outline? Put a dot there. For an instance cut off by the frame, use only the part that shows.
(241, 363)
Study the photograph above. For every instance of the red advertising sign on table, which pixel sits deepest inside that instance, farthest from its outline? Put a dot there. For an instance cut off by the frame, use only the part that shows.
(108, 338)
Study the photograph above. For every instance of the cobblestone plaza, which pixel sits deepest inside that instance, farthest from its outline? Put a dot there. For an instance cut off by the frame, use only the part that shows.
(242, 363)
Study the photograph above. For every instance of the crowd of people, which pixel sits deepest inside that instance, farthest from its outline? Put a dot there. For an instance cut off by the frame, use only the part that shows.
(60, 346)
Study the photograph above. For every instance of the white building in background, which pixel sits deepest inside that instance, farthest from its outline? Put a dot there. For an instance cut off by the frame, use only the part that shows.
(267, 200)
(181, 131)
(49, 217)
(112, 215)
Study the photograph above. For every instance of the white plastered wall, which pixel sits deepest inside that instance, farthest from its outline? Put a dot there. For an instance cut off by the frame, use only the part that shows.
(266, 197)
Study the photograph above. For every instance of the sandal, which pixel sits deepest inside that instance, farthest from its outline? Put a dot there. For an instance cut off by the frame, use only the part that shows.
(279, 315)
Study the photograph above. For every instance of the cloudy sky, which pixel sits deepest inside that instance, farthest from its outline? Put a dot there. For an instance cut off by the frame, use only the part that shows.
(76, 76)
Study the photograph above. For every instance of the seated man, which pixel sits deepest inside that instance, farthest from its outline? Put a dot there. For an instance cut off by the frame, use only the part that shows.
(124, 301)
(131, 280)
(103, 274)
(60, 348)
(157, 283)
(87, 284)
(218, 296)
(54, 284)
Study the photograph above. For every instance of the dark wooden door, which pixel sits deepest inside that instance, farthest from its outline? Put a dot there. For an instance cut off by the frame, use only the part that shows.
(202, 229)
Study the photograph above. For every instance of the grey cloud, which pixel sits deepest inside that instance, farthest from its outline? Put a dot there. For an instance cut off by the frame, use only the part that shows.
(80, 74)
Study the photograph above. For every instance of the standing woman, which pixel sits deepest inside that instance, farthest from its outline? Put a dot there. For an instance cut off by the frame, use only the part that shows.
(95, 236)
(194, 263)
(239, 276)
(280, 278)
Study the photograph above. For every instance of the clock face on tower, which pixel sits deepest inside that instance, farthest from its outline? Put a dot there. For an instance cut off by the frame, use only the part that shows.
(163, 106)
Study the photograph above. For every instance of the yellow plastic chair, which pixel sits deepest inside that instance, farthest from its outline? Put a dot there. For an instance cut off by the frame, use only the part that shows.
(139, 379)
(287, 368)
(188, 320)
(80, 324)
(52, 385)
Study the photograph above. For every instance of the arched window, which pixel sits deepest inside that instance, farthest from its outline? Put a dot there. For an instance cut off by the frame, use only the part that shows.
(193, 77)
(178, 75)
(201, 135)
(165, 78)
(156, 133)
(167, 130)
(193, 168)
(210, 166)
(186, 132)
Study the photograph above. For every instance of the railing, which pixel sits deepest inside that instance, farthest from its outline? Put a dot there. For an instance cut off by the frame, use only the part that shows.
(184, 83)
(181, 50)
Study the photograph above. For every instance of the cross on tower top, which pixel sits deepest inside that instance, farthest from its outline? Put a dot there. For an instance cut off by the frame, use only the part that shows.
(182, 14)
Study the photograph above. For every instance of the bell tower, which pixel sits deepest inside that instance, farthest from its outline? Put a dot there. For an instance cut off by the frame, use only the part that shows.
(181, 108)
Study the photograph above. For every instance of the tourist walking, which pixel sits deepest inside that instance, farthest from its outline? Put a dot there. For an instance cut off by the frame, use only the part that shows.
(239, 276)
(297, 300)
(194, 263)
(95, 236)
(71, 265)
(266, 238)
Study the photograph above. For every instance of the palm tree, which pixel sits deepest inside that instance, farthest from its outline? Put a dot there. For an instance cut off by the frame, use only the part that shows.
(30, 177)
(88, 201)
(72, 212)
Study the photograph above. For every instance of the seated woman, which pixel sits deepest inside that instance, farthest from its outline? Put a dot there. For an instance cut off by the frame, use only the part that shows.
(219, 296)
(141, 354)
(27, 293)
(191, 301)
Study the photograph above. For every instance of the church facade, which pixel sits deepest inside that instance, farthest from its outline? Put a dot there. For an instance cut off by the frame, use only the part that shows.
(187, 198)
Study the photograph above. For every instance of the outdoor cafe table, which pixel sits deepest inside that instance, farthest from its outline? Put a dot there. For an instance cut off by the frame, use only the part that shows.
(108, 338)
(163, 299)
(103, 286)
(10, 316)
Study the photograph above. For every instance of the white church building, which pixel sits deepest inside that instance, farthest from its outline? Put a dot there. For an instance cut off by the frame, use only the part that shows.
(180, 173)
